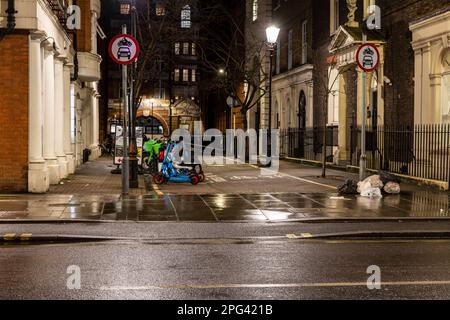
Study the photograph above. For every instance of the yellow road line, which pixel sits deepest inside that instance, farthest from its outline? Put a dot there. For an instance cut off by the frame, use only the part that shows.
(9, 236)
(275, 285)
(157, 189)
(25, 236)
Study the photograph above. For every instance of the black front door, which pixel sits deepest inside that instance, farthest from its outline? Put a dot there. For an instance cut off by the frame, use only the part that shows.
(301, 125)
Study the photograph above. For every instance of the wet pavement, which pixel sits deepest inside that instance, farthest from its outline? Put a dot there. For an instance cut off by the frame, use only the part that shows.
(273, 207)
(237, 192)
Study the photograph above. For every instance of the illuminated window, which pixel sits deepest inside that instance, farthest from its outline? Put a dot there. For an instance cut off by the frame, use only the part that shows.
(255, 10)
(176, 76)
(194, 49)
(186, 17)
(177, 48)
(186, 75)
(185, 48)
(125, 8)
(160, 10)
(194, 76)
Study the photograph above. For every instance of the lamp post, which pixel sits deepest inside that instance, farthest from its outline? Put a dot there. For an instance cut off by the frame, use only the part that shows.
(272, 37)
(134, 162)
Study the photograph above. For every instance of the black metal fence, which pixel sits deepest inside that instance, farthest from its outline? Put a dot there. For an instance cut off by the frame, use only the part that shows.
(419, 151)
(307, 143)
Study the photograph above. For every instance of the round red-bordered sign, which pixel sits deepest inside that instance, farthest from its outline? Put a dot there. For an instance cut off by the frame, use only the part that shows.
(124, 49)
(368, 57)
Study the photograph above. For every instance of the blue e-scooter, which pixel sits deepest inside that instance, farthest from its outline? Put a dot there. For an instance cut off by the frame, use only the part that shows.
(171, 172)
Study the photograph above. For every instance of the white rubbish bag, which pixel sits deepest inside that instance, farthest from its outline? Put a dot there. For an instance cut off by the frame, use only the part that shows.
(363, 185)
(371, 193)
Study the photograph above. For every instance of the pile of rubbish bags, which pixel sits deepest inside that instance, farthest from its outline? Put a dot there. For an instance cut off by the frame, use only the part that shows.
(372, 187)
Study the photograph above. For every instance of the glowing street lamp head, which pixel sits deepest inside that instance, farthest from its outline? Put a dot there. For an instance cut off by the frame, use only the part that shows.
(272, 34)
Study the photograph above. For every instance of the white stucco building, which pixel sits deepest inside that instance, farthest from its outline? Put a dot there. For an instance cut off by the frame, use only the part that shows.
(63, 115)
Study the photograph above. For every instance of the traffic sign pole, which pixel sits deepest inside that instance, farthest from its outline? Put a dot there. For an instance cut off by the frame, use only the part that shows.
(126, 159)
(124, 49)
(363, 159)
(368, 59)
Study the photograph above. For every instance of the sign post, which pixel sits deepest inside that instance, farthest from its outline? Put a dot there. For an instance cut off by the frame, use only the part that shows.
(368, 59)
(124, 50)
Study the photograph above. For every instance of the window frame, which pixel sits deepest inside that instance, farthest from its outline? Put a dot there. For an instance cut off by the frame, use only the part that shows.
(185, 75)
(305, 42)
(186, 17)
(255, 10)
(186, 48)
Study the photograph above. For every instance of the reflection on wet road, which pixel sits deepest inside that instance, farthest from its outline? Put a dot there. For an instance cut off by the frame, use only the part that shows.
(224, 207)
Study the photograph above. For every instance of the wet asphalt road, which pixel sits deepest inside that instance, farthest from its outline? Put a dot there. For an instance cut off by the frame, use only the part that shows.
(238, 236)
(224, 269)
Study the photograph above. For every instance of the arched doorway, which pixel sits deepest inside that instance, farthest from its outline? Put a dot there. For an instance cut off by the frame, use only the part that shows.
(153, 128)
(301, 125)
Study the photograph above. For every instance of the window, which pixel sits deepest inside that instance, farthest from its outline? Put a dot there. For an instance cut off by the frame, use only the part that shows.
(125, 8)
(334, 15)
(194, 49)
(186, 17)
(305, 42)
(290, 49)
(185, 75)
(176, 75)
(186, 48)
(255, 10)
(160, 10)
(194, 76)
(177, 48)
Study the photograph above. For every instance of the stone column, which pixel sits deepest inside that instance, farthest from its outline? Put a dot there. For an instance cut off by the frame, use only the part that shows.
(429, 111)
(94, 124)
(49, 121)
(38, 176)
(80, 131)
(68, 120)
(436, 97)
(59, 116)
(343, 133)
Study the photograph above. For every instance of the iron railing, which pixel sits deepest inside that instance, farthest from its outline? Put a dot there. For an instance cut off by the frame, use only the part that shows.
(420, 151)
(307, 143)
(59, 8)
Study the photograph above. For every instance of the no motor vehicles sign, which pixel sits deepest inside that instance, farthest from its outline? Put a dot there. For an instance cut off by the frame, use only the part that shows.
(124, 49)
(368, 57)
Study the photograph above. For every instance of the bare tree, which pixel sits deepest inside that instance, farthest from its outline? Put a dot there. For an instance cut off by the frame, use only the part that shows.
(225, 53)
(325, 81)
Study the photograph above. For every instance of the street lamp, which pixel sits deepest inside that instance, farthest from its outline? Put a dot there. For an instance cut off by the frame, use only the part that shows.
(272, 33)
